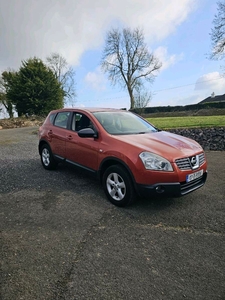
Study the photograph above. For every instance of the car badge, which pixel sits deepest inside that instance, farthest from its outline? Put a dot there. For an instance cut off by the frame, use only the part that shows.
(194, 161)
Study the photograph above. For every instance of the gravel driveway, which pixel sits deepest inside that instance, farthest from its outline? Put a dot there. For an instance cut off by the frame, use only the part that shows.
(61, 238)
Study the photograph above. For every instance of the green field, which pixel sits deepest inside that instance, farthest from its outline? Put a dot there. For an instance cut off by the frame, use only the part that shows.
(190, 122)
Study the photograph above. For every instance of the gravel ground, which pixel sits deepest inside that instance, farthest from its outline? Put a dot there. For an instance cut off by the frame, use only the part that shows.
(61, 238)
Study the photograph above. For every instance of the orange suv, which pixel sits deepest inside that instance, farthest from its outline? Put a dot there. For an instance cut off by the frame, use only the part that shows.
(128, 154)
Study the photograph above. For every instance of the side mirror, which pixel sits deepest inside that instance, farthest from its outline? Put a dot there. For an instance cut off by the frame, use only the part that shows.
(87, 133)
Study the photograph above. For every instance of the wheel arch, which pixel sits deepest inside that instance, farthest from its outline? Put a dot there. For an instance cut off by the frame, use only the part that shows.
(41, 143)
(110, 161)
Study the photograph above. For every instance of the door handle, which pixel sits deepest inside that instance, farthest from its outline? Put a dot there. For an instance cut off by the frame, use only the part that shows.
(69, 137)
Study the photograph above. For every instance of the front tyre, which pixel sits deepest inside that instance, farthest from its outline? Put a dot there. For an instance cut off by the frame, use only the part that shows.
(47, 158)
(118, 186)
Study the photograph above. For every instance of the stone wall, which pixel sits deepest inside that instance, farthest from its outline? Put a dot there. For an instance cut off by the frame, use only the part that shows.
(208, 138)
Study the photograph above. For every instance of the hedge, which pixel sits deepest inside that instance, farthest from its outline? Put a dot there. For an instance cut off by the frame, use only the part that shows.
(149, 110)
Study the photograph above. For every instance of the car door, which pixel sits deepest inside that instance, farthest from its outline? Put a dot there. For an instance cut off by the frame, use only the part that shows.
(58, 133)
(82, 151)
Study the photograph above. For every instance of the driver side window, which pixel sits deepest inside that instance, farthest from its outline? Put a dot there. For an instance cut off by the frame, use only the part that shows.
(81, 121)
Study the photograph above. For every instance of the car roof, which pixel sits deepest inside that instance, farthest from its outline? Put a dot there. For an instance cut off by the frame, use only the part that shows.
(89, 109)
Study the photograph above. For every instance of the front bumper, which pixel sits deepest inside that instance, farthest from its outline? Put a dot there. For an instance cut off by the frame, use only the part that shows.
(176, 189)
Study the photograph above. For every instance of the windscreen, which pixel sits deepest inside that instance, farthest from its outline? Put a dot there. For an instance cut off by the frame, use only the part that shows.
(123, 123)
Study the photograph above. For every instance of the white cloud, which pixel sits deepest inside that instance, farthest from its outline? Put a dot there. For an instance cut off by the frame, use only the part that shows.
(211, 82)
(165, 58)
(37, 28)
(96, 80)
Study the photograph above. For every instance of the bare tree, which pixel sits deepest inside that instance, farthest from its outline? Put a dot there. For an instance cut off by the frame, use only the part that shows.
(141, 100)
(218, 32)
(128, 61)
(64, 74)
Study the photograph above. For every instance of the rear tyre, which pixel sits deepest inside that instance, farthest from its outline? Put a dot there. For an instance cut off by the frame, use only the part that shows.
(47, 159)
(118, 186)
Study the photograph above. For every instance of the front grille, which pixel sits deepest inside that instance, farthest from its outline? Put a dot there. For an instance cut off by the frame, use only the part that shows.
(201, 158)
(185, 164)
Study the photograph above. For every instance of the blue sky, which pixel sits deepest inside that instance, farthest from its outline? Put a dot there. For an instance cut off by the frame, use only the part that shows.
(177, 32)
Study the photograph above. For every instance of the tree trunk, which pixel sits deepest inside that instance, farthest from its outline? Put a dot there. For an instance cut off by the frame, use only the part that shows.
(10, 110)
(130, 91)
(8, 106)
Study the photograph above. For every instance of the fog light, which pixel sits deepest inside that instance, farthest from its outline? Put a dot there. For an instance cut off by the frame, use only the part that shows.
(160, 189)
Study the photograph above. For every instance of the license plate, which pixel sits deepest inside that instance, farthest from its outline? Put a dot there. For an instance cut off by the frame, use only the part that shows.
(194, 176)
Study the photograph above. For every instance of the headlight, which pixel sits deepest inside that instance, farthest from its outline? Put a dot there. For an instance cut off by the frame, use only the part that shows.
(153, 161)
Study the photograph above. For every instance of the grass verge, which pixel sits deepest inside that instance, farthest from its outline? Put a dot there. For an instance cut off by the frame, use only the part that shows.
(188, 122)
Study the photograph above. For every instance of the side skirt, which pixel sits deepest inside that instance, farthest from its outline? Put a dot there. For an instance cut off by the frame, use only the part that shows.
(61, 159)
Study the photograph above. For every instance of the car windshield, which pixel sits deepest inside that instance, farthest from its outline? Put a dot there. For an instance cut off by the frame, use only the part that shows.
(123, 123)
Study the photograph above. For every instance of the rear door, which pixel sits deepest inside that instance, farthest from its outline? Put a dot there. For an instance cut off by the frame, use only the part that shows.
(58, 132)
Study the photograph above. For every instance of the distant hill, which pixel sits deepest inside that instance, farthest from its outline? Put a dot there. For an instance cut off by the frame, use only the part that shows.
(213, 98)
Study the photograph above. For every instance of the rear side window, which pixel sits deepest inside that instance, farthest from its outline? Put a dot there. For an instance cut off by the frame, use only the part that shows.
(61, 119)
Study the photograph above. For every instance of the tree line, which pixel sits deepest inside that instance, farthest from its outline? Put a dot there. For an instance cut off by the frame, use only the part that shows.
(38, 87)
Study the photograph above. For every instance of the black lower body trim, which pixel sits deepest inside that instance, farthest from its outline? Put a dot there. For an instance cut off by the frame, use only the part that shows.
(176, 189)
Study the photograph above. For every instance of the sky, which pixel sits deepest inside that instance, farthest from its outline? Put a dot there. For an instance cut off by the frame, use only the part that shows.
(176, 32)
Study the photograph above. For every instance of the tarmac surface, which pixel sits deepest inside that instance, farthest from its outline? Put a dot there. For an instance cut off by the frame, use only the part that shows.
(62, 239)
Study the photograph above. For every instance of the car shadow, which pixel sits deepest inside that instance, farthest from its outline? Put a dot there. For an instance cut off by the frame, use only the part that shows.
(157, 203)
